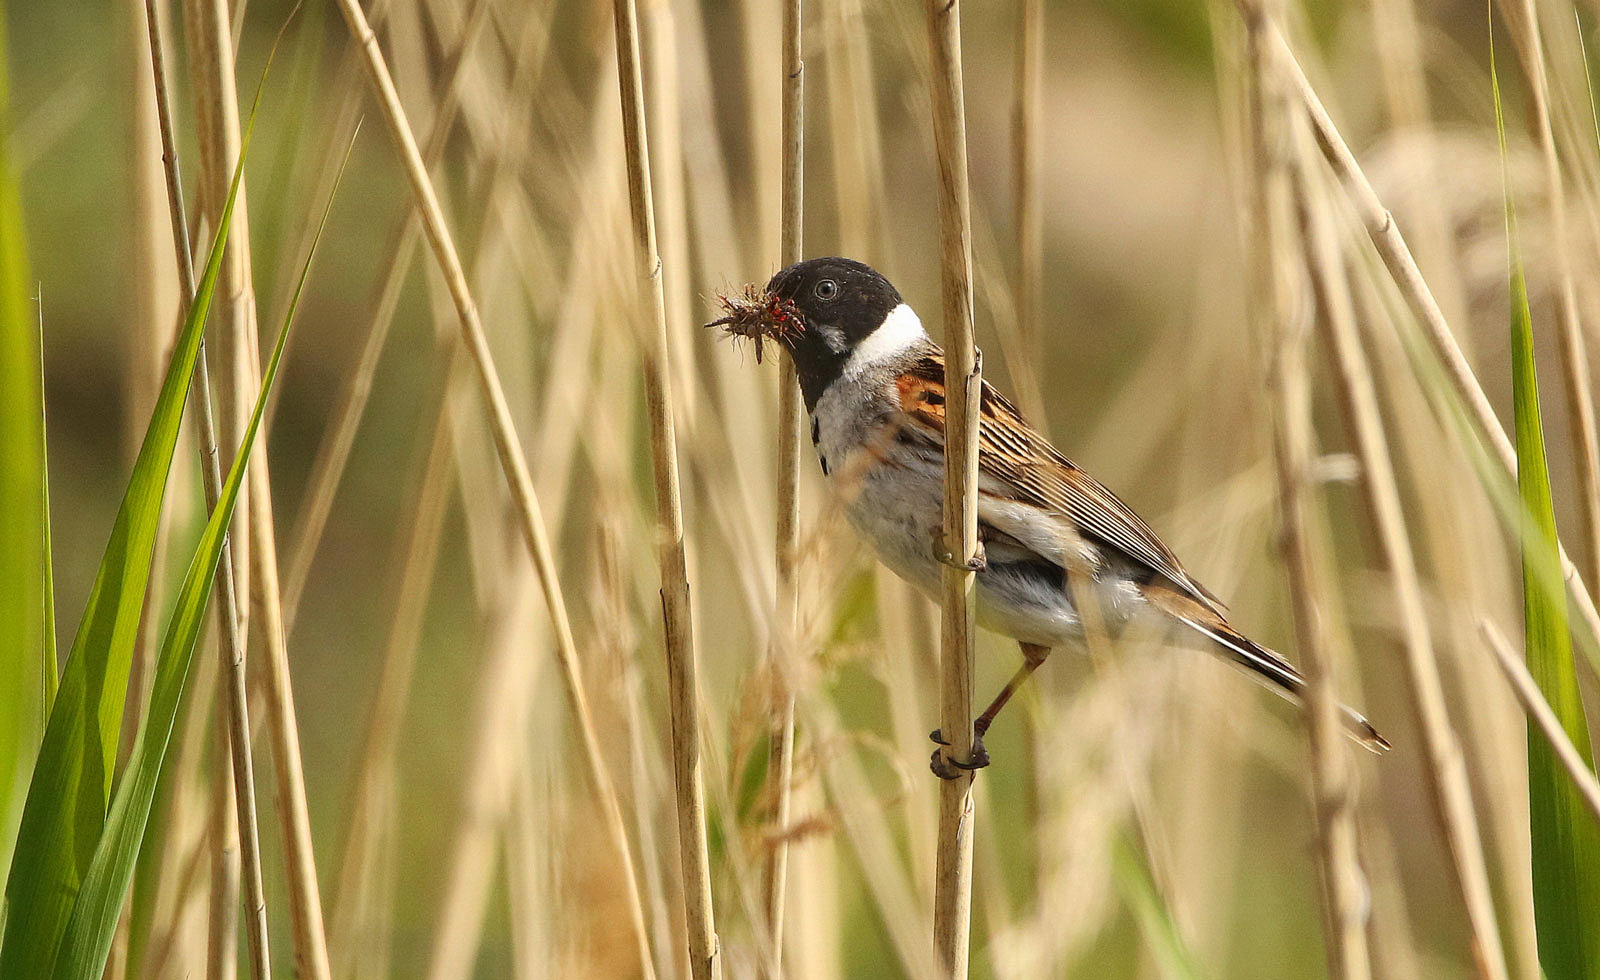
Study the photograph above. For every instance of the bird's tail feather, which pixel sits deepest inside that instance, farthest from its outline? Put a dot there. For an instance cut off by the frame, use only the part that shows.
(1267, 665)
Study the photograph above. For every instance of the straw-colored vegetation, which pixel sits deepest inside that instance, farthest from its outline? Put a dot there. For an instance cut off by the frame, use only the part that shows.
(575, 671)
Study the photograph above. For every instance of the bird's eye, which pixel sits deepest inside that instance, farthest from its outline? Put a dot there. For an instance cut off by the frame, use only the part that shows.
(826, 289)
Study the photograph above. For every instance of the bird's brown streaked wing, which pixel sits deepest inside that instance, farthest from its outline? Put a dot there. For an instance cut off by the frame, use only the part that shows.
(1020, 458)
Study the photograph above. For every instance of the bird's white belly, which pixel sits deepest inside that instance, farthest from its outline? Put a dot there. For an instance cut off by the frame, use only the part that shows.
(898, 512)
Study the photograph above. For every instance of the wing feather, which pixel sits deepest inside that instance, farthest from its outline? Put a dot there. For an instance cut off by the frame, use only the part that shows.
(1023, 468)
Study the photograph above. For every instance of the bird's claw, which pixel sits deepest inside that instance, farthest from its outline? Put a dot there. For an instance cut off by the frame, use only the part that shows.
(947, 555)
(947, 768)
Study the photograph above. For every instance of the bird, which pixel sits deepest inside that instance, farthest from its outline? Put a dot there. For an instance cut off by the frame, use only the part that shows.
(873, 383)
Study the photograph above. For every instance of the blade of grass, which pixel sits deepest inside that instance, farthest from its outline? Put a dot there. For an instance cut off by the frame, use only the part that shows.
(24, 675)
(87, 940)
(1566, 839)
(1574, 356)
(65, 811)
(52, 668)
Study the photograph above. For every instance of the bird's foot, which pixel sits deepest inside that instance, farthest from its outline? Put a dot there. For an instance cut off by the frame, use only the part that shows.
(979, 562)
(947, 768)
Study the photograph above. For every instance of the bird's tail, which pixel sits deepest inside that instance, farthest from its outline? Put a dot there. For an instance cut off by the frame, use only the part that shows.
(1276, 672)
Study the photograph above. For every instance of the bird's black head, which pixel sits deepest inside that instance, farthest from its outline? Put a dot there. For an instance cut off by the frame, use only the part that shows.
(841, 303)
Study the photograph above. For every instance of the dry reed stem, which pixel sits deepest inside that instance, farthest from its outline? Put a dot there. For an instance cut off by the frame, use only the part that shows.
(1538, 709)
(210, 50)
(508, 449)
(304, 899)
(782, 649)
(294, 814)
(1027, 214)
(663, 113)
(338, 441)
(1450, 790)
(704, 955)
(854, 134)
(1283, 199)
(230, 626)
(1402, 266)
(152, 322)
(1574, 356)
(154, 318)
(1398, 43)
(222, 924)
(952, 909)
(1334, 781)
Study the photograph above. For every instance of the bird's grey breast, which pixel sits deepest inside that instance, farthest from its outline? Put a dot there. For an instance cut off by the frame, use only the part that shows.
(852, 413)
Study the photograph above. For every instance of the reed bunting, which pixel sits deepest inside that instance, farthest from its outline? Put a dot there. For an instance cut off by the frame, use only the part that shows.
(874, 385)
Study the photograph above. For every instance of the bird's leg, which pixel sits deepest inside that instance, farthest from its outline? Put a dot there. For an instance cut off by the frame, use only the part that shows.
(1032, 656)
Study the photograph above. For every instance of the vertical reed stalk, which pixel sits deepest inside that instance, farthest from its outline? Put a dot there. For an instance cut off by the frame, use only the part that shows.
(509, 450)
(1450, 791)
(230, 623)
(952, 908)
(1281, 197)
(1402, 266)
(783, 648)
(705, 959)
(222, 923)
(1574, 356)
(1399, 47)
(1028, 219)
(1333, 779)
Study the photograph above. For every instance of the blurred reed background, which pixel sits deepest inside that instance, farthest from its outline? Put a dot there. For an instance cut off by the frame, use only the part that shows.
(1151, 817)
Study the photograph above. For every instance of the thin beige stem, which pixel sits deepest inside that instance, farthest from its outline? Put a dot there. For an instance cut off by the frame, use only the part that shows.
(509, 450)
(233, 308)
(304, 899)
(1448, 783)
(222, 924)
(1574, 356)
(1398, 43)
(1397, 258)
(230, 625)
(952, 904)
(705, 960)
(1283, 198)
(1028, 219)
(1533, 702)
(294, 814)
(782, 650)
(1332, 776)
